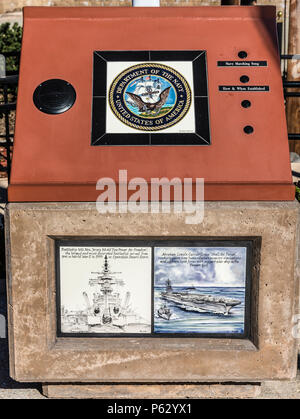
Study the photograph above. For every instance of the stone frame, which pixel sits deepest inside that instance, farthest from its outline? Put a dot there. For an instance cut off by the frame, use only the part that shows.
(36, 354)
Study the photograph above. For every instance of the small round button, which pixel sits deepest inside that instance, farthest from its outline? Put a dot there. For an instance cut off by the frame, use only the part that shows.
(244, 79)
(248, 129)
(242, 54)
(246, 103)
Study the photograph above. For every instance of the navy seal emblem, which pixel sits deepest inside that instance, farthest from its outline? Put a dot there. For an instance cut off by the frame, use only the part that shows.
(149, 97)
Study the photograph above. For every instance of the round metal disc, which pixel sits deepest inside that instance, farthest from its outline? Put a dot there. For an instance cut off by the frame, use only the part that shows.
(54, 96)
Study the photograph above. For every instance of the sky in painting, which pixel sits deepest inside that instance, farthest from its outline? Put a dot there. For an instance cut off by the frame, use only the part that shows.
(200, 266)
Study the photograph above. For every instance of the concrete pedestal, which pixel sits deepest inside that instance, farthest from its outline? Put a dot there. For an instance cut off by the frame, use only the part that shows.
(37, 355)
(289, 389)
(153, 391)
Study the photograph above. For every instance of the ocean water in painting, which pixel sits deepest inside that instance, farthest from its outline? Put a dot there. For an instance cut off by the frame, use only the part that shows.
(186, 321)
(199, 290)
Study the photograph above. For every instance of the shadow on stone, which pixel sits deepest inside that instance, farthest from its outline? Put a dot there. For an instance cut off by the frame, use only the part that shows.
(3, 201)
(5, 381)
(3, 194)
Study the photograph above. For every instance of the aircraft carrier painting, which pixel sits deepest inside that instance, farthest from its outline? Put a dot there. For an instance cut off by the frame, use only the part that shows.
(199, 290)
(201, 303)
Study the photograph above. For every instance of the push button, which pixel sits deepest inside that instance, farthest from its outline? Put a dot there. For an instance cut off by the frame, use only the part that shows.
(246, 103)
(248, 129)
(242, 54)
(244, 79)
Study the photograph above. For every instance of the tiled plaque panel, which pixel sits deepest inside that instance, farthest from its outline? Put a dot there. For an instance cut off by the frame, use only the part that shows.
(150, 98)
(153, 288)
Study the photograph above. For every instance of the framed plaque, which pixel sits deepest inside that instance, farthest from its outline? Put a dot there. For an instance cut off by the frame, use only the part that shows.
(150, 98)
(153, 288)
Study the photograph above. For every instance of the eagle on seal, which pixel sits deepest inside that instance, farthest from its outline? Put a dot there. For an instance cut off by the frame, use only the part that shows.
(149, 107)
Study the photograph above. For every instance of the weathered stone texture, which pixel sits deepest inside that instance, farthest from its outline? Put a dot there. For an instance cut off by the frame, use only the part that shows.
(37, 355)
(14, 5)
(266, 390)
(155, 391)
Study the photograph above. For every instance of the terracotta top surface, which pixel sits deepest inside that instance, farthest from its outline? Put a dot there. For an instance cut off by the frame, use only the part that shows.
(53, 156)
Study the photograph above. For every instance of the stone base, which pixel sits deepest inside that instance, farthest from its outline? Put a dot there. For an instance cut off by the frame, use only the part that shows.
(149, 391)
(37, 354)
(266, 390)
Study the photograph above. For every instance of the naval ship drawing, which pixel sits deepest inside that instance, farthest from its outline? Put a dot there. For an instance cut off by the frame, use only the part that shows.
(192, 301)
(164, 312)
(148, 98)
(147, 88)
(106, 311)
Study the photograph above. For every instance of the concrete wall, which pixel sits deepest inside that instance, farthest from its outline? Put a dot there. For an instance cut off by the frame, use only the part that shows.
(38, 355)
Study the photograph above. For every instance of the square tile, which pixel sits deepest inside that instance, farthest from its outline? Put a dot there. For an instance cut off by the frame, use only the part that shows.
(103, 290)
(150, 98)
(201, 290)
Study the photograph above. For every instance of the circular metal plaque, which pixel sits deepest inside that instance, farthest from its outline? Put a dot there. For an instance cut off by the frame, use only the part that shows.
(150, 97)
(54, 96)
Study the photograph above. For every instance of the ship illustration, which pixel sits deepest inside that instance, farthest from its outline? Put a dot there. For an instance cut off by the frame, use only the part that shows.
(108, 311)
(192, 301)
(164, 312)
(148, 88)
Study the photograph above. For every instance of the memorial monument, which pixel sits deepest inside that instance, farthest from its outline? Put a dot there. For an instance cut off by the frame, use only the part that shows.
(150, 293)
